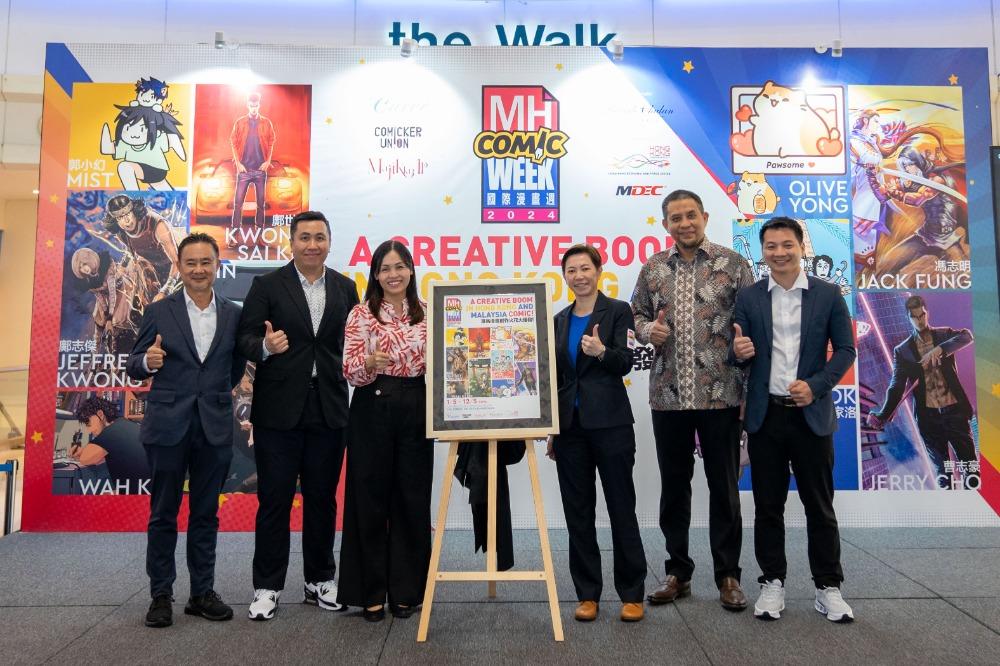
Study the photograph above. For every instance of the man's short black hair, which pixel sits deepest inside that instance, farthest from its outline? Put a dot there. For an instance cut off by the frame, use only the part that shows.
(782, 223)
(196, 237)
(677, 195)
(94, 404)
(914, 302)
(309, 216)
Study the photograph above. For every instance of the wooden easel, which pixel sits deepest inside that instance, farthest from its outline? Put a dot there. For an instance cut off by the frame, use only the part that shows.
(491, 575)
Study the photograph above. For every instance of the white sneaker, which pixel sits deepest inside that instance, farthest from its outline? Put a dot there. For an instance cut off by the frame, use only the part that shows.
(264, 604)
(771, 601)
(323, 594)
(829, 602)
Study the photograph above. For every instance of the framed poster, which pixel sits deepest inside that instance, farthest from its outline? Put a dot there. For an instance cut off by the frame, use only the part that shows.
(491, 360)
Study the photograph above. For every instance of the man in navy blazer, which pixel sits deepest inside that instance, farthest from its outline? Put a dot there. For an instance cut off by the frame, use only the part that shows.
(187, 344)
(783, 327)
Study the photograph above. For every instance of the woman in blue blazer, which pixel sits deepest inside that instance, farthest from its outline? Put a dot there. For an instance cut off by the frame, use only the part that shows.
(595, 338)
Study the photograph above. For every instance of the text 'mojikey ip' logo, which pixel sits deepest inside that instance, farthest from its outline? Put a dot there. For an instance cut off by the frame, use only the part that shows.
(520, 147)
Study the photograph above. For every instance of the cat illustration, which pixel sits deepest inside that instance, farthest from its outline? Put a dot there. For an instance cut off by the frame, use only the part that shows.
(754, 195)
(784, 124)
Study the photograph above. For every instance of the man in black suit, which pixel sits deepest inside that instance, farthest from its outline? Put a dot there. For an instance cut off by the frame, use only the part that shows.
(293, 327)
(187, 344)
(926, 361)
(783, 325)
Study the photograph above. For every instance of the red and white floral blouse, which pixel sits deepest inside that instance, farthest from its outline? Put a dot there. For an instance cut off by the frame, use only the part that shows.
(406, 345)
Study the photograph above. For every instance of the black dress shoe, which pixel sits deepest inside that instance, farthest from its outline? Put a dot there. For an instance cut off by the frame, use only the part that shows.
(160, 613)
(374, 615)
(402, 612)
(209, 606)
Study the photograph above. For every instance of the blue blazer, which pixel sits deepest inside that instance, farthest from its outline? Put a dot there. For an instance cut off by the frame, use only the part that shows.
(825, 320)
(597, 385)
(184, 382)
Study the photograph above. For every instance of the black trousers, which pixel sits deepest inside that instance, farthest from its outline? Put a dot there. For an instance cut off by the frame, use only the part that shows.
(207, 467)
(785, 438)
(386, 546)
(611, 452)
(719, 434)
(938, 431)
(313, 454)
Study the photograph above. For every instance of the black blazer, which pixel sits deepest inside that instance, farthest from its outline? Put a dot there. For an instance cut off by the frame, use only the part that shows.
(282, 381)
(825, 320)
(597, 384)
(184, 381)
(906, 368)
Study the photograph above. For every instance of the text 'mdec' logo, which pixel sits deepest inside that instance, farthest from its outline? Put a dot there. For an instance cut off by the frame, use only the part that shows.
(520, 146)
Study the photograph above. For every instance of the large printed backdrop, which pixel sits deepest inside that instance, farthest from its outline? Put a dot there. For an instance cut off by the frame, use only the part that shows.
(490, 162)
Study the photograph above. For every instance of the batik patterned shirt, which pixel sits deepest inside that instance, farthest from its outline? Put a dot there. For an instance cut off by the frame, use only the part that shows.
(690, 370)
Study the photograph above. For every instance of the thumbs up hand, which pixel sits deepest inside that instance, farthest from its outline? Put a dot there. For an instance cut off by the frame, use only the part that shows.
(378, 359)
(742, 345)
(591, 344)
(659, 332)
(155, 354)
(275, 341)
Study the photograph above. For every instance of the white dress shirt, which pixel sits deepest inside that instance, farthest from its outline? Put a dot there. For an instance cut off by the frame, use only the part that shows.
(203, 324)
(315, 293)
(786, 317)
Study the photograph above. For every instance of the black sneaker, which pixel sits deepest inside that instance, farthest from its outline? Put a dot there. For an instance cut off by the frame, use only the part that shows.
(160, 613)
(209, 606)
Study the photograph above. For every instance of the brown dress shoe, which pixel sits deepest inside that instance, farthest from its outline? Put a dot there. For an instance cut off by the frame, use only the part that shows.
(671, 590)
(731, 595)
(586, 611)
(632, 611)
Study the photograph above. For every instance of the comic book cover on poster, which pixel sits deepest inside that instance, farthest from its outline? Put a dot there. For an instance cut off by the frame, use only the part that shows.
(250, 171)
(916, 377)
(908, 187)
(130, 136)
(827, 253)
(491, 356)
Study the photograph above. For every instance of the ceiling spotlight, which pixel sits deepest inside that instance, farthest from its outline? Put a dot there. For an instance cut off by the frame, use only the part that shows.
(821, 49)
(838, 49)
(407, 46)
(617, 49)
(220, 40)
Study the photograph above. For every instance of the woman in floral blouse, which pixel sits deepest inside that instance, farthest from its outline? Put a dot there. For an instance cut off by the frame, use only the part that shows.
(390, 463)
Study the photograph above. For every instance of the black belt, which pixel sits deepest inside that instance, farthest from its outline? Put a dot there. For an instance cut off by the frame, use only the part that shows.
(781, 400)
(947, 409)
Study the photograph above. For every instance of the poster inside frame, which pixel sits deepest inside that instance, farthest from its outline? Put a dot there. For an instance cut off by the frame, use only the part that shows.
(490, 360)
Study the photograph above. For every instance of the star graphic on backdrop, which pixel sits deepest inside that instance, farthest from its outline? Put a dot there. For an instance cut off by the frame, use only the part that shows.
(361, 62)
(627, 382)
(370, 216)
(54, 198)
(296, 503)
(688, 66)
(222, 500)
(586, 195)
(650, 220)
(953, 79)
(328, 121)
(448, 200)
(559, 66)
(996, 390)
(50, 243)
(36, 437)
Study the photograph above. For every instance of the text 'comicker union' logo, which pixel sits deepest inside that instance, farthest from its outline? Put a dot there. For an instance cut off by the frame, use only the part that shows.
(520, 147)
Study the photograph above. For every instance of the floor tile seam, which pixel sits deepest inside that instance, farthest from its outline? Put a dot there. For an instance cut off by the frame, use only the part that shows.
(84, 632)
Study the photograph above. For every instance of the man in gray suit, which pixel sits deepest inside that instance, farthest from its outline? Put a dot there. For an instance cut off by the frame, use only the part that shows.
(187, 344)
(783, 325)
